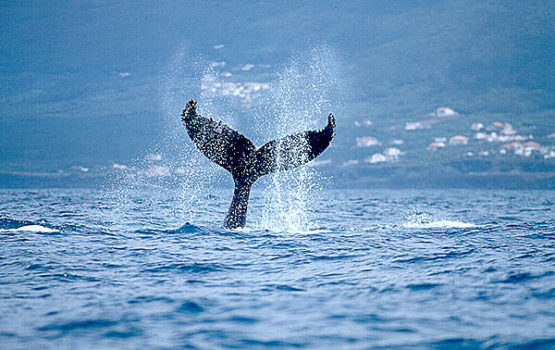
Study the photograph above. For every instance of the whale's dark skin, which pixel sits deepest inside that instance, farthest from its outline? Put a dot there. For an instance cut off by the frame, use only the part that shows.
(246, 163)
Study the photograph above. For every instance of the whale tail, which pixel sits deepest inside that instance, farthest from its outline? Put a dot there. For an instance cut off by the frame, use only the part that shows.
(246, 163)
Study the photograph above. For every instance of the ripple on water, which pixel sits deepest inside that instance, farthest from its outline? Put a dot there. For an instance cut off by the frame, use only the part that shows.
(423, 286)
(68, 277)
(150, 299)
(521, 277)
(77, 325)
(366, 281)
(186, 267)
(189, 306)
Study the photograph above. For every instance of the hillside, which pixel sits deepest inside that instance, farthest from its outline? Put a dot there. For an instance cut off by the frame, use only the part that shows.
(84, 82)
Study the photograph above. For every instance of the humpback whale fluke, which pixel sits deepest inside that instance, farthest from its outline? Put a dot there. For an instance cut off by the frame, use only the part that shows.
(237, 154)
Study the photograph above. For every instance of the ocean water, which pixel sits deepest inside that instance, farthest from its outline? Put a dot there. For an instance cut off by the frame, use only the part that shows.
(98, 269)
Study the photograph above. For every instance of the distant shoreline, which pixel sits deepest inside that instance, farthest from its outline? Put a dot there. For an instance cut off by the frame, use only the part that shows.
(507, 181)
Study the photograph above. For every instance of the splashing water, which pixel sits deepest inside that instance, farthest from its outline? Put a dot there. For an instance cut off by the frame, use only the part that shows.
(300, 99)
(185, 79)
(174, 166)
(424, 220)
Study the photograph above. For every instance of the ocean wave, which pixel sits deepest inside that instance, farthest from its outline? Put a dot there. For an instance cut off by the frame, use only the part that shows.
(190, 306)
(424, 220)
(7, 223)
(185, 267)
(186, 228)
(299, 230)
(31, 228)
(111, 282)
(78, 325)
(438, 224)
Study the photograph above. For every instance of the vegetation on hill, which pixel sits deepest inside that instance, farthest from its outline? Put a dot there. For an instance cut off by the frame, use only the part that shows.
(83, 80)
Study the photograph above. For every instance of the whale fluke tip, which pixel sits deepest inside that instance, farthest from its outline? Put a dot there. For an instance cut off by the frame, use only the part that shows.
(331, 119)
(190, 107)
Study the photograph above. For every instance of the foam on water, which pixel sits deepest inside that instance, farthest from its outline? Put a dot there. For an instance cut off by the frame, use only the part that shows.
(423, 220)
(31, 228)
(439, 224)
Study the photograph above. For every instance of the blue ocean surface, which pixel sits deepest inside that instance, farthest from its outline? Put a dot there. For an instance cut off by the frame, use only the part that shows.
(98, 269)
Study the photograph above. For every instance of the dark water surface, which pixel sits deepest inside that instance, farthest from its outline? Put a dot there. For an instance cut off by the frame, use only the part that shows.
(85, 269)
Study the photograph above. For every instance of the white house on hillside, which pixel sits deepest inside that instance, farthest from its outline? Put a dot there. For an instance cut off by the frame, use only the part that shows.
(458, 140)
(367, 141)
(393, 153)
(376, 158)
(436, 145)
(414, 126)
(445, 112)
(366, 123)
(477, 126)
